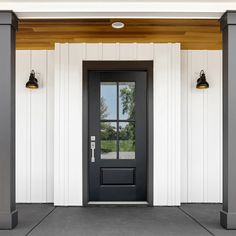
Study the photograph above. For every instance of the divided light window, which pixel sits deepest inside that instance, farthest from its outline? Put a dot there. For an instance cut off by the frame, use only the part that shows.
(117, 120)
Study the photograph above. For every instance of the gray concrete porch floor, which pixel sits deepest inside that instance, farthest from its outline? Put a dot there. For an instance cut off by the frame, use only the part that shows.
(47, 220)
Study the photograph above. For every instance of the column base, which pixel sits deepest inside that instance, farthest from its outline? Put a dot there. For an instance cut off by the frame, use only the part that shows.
(8, 220)
(228, 220)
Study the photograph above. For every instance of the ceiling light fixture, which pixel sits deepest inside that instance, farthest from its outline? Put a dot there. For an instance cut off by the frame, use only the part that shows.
(118, 25)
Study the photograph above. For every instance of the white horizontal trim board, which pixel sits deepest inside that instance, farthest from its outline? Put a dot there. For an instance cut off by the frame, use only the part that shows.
(68, 116)
(201, 132)
(34, 127)
(118, 9)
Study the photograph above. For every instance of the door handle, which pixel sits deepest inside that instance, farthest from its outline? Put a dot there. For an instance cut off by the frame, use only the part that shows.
(92, 146)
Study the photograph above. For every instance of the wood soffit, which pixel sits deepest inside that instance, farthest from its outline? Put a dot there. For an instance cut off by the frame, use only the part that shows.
(195, 34)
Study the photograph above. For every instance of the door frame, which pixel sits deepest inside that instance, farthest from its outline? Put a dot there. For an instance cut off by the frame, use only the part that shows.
(113, 66)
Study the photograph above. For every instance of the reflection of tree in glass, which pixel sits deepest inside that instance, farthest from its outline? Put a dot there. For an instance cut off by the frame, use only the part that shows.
(108, 137)
(103, 108)
(127, 95)
(127, 137)
(127, 132)
(108, 132)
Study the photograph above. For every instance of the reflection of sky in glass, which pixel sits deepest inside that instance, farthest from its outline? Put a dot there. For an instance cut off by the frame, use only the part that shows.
(108, 92)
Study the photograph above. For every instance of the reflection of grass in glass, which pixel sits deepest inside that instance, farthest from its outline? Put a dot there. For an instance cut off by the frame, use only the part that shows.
(110, 146)
(126, 146)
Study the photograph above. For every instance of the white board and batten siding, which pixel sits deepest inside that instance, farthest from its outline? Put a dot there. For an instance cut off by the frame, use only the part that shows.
(34, 127)
(68, 116)
(195, 175)
(201, 132)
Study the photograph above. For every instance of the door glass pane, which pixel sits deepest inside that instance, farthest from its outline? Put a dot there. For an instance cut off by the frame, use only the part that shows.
(108, 101)
(127, 140)
(127, 100)
(108, 140)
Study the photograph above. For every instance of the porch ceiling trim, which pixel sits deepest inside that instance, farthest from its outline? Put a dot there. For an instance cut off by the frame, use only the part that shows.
(103, 9)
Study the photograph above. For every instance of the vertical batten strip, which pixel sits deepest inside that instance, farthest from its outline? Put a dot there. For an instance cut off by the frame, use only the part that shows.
(44, 124)
(66, 120)
(173, 124)
(118, 50)
(38, 130)
(177, 122)
(220, 127)
(184, 126)
(29, 151)
(56, 125)
(50, 124)
(19, 190)
(205, 133)
(189, 115)
(196, 129)
(135, 51)
(63, 131)
(168, 126)
(187, 133)
(100, 51)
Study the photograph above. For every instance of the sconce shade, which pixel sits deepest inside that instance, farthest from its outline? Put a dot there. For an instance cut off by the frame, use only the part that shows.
(201, 82)
(33, 82)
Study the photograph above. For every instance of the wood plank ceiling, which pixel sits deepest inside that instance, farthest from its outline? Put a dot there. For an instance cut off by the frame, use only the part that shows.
(191, 33)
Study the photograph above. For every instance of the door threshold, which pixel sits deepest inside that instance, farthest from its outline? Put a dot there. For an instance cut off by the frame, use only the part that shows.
(117, 203)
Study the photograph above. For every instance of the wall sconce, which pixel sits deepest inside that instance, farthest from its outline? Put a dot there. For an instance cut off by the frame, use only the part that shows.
(33, 82)
(201, 82)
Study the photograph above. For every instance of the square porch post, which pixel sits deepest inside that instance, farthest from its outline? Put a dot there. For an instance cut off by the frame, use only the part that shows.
(8, 27)
(228, 27)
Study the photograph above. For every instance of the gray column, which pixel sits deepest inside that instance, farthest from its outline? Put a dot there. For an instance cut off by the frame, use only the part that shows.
(8, 212)
(228, 27)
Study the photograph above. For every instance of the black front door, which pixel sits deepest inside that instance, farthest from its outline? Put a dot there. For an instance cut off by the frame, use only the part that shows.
(117, 135)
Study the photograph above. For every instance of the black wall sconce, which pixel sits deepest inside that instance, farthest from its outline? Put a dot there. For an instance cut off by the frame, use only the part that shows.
(33, 82)
(201, 82)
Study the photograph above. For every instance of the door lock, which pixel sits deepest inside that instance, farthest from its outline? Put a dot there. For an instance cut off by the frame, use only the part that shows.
(92, 146)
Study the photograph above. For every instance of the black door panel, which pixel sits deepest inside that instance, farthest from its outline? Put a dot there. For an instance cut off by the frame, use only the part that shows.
(117, 130)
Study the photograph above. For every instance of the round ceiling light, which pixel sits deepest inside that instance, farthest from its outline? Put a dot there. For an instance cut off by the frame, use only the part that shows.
(118, 25)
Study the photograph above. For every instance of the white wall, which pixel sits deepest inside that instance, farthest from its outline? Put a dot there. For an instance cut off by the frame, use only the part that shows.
(34, 127)
(201, 111)
(68, 116)
(201, 133)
